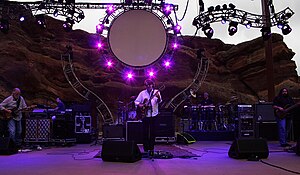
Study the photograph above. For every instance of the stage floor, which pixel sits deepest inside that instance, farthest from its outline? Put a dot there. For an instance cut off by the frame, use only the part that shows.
(202, 157)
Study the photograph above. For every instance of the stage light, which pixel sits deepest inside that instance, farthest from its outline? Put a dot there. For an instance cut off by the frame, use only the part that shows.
(40, 19)
(55, 13)
(68, 24)
(266, 33)
(110, 9)
(109, 64)
(99, 45)
(129, 75)
(286, 29)
(175, 45)
(4, 25)
(248, 25)
(232, 29)
(231, 6)
(21, 18)
(167, 64)
(217, 8)
(167, 9)
(210, 9)
(99, 28)
(223, 21)
(177, 29)
(208, 31)
(128, 2)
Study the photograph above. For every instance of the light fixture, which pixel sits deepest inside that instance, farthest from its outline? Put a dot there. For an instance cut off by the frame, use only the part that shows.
(167, 9)
(99, 28)
(286, 29)
(4, 25)
(21, 17)
(208, 31)
(55, 13)
(40, 19)
(248, 24)
(232, 29)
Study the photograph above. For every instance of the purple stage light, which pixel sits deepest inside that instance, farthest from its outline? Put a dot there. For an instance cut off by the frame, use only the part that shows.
(109, 64)
(99, 28)
(167, 9)
(177, 29)
(167, 64)
(129, 75)
(99, 45)
(175, 45)
(110, 9)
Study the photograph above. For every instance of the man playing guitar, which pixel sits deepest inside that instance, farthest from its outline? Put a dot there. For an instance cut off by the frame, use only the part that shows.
(147, 108)
(280, 103)
(12, 114)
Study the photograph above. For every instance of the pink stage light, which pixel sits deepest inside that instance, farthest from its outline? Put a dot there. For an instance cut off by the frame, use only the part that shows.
(110, 9)
(99, 45)
(175, 45)
(129, 75)
(109, 64)
(167, 9)
(177, 29)
(167, 64)
(99, 28)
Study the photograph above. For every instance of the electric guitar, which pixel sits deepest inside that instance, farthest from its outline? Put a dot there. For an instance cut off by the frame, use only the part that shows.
(285, 112)
(14, 112)
(142, 109)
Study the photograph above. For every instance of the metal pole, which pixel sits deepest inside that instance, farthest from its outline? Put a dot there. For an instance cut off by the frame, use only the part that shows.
(268, 53)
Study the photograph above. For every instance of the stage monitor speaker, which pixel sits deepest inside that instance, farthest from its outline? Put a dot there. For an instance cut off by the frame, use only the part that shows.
(7, 146)
(251, 149)
(185, 138)
(120, 151)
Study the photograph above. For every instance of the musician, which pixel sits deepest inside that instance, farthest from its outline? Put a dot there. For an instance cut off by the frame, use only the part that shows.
(280, 103)
(148, 100)
(13, 103)
(60, 105)
(206, 100)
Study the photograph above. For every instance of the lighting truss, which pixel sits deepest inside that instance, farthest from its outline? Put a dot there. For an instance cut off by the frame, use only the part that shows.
(240, 16)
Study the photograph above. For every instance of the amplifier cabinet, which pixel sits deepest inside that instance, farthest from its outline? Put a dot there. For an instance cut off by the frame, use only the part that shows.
(37, 130)
(134, 131)
(83, 124)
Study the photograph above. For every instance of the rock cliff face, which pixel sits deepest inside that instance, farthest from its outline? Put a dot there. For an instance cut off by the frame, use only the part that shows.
(30, 59)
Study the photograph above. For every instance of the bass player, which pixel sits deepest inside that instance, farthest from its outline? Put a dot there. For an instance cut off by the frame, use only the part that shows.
(147, 103)
(284, 119)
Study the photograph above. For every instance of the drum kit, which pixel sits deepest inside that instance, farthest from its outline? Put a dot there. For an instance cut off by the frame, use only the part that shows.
(209, 118)
(126, 111)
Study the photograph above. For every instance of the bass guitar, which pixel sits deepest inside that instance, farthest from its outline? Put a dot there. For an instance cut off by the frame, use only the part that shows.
(143, 108)
(14, 112)
(286, 111)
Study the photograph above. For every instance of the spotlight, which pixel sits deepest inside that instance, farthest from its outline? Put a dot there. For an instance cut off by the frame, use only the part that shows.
(266, 33)
(99, 28)
(210, 9)
(21, 17)
(55, 13)
(177, 29)
(40, 19)
(167, 63)
(208, 31)
(109, 64)
(167, 9)
(231, 6)
(232, 29)
(175, 45)
(110, 9)
(68, 24)
(99, 45)
(286, 29)
(280, 25)
(218, 7)
(248, 25)
(4, 25)
(223, 20)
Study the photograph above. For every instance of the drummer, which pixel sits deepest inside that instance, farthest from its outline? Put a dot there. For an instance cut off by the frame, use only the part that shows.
(206, 102)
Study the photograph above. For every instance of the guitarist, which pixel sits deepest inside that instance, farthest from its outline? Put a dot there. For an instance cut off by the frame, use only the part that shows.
(8, 107)
(280, 103)
(147, 108)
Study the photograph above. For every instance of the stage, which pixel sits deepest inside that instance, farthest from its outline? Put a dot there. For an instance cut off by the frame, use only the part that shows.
(202, 157)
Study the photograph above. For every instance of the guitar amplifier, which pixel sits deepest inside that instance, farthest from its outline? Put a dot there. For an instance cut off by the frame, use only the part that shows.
(37, 130)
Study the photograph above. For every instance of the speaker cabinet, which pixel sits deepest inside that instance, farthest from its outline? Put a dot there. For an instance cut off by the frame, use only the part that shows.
(164, 125)
(113, 132)
(251, 149)
(134, 131)
(120, 151)
(265, 112)
(7, 146)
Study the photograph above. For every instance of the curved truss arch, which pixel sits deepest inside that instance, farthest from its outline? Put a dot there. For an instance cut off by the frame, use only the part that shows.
(84, 92)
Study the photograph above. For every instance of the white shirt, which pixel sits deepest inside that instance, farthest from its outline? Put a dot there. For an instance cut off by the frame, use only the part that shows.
(154, 101)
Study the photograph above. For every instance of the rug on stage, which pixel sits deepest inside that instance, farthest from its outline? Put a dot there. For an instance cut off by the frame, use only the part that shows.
(165, 151)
